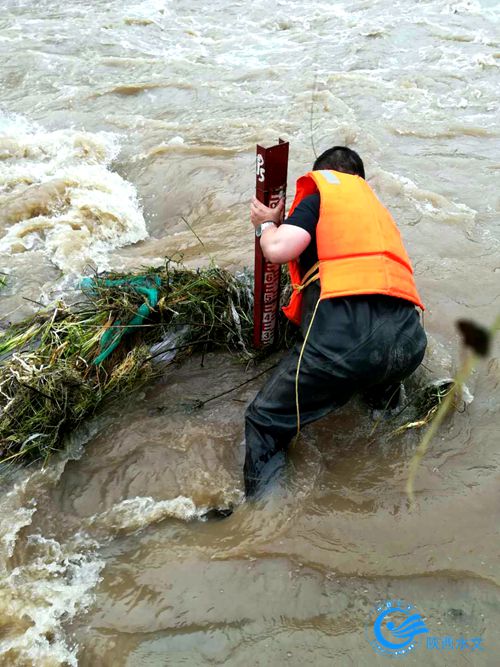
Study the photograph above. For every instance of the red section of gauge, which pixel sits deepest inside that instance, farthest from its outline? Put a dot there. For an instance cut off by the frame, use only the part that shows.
(271, 176)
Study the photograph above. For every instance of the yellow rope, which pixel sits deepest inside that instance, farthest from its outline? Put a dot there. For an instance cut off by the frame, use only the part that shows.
(298, 370)
(308, 278)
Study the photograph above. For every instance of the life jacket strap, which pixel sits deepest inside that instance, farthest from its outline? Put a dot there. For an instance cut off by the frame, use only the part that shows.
(309, 277)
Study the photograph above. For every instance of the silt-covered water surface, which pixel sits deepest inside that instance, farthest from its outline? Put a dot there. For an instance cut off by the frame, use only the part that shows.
(118, 120)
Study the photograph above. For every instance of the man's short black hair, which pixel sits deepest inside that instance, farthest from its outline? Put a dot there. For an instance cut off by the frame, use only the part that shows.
(340, 158)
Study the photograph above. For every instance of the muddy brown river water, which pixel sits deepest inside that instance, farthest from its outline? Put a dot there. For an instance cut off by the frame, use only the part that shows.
(117, 119)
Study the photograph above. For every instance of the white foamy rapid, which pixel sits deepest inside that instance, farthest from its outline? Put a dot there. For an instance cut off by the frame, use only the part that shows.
(58, 195)
(46, 582)
(42, 590)
(133, 514)
(42, 595)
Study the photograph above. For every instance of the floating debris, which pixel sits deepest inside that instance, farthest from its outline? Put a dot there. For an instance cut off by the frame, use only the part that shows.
(59, 366)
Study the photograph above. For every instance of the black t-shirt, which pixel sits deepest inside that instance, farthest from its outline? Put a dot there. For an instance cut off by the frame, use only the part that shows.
(306, 216)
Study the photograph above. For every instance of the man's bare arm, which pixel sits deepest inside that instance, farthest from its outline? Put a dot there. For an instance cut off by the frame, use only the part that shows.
(279, 244)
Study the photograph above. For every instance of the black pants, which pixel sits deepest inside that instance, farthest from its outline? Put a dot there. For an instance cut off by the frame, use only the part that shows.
(362, 344)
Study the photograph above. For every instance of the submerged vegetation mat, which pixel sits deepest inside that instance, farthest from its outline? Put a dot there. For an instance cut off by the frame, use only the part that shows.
(58, 367)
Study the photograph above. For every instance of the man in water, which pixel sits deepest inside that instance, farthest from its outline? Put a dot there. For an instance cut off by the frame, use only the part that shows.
(354, 298)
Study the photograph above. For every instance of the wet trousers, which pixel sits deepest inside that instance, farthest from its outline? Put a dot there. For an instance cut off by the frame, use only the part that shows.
(360, 344)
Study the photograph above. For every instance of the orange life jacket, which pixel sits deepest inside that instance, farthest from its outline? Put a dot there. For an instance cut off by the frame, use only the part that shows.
(360, 250)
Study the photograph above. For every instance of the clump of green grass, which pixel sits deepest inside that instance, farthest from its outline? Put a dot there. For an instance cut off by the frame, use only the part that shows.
(49, 381)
